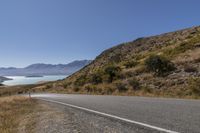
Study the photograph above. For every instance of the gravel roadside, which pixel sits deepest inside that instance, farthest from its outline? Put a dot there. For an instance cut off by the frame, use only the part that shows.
(54, 118)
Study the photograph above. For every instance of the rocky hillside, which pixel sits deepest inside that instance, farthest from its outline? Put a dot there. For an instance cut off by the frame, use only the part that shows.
(162, 65)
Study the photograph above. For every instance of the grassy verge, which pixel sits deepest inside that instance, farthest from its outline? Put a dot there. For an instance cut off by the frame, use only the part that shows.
(12, 111)
(14, 90)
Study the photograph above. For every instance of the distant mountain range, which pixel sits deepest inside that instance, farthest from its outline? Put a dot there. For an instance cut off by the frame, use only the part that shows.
(45, 69)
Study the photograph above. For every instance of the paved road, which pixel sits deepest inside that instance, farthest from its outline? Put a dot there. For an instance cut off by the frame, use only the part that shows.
(160, 113)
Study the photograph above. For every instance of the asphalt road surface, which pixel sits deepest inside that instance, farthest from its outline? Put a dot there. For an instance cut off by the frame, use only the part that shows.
(159, 114)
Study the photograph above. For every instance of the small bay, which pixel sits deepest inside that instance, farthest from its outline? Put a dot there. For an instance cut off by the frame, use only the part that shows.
(23, 80)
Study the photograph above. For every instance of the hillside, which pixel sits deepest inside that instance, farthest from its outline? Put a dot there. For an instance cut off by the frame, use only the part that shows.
(162, 65)
(45, 69)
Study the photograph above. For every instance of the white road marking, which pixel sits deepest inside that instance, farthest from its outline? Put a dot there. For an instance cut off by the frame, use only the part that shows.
(111, 116)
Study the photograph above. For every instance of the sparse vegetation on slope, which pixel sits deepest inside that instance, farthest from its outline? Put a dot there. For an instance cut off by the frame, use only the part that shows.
(152, 66)
(194, 86)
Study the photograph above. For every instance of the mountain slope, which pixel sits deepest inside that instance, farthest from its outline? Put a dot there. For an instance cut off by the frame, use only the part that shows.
(45, 69)
(167, 64)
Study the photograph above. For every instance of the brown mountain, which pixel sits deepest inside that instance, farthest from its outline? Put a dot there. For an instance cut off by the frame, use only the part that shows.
(162, 65)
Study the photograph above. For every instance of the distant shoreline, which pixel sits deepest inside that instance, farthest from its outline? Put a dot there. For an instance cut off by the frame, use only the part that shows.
(32, 79)
(34, 76)
(3, 78)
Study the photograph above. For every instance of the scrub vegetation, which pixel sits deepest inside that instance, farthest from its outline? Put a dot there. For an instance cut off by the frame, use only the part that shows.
(164, 65)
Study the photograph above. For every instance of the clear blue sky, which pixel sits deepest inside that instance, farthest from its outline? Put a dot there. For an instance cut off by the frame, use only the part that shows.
(60, 31)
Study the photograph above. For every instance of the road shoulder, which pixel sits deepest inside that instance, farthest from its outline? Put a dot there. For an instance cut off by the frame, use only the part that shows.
(63, 119)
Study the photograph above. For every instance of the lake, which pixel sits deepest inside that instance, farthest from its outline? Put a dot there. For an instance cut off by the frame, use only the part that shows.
(22, 80)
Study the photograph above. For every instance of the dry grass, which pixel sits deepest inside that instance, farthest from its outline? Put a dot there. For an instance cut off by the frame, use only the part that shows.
(13, 90)
(12, 111)
(189, 57)
(20, 89)
(24, 115)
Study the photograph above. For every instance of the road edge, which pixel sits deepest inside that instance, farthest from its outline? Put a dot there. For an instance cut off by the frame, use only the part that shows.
(110, 116)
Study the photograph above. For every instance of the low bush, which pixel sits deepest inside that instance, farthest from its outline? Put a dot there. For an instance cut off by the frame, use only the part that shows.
(96, 78)
(130, 64)
(113, 72)
(146, 89)
(48, 86)
(66, 84)
(194, 86)
(134, 84)
(121, 86)
(91, 88)
(76, 89)
(80, 80)
(109, 90)
(159, 65)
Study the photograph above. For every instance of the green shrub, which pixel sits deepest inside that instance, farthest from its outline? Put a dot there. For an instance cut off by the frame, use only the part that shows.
(66, 84)
(112, 72)
(146, 89)
(134, 84)
(109, 90)
(96, 78)
(76, 89)
(121, 86)
(159, 65)
(90, 88)
(80, 80)
(48, 86)
(194, 86)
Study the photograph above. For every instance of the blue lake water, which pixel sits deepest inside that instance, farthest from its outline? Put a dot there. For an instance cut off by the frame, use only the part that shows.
(22, 80)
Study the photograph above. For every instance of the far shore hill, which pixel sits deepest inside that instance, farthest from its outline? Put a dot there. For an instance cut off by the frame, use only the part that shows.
(41, 69)
(2, 79)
